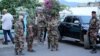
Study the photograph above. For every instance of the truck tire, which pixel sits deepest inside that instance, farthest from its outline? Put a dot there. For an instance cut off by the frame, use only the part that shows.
(86, 42)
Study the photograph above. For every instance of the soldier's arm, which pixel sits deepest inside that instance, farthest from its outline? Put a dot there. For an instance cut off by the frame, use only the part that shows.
(16, 28)
(98, 25)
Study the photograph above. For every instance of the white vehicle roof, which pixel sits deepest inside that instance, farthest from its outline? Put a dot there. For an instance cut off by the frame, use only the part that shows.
(83, 10)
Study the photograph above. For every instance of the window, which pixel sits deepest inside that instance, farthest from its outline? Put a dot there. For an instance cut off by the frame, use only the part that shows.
(68, 19)
(85, 19)
(75, 19)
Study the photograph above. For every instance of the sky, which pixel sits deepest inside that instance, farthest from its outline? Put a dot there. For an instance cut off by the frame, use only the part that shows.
(74, 2)
(82, 1)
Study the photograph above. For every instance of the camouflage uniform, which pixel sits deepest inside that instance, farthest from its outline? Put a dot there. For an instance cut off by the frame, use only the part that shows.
(41, 21)
(53, 34)
(19, 39)
(31, 34)
(93, 30)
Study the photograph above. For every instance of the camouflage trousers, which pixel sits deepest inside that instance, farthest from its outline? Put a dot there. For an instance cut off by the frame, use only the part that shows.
(52, 42)
(40, 33)
(30, 40)
(19, 44)
(93, 37)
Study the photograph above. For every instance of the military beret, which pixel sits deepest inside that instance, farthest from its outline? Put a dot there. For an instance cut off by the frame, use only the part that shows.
(93, 12)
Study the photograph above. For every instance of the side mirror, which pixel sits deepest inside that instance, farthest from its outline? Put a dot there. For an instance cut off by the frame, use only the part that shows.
(76, 22)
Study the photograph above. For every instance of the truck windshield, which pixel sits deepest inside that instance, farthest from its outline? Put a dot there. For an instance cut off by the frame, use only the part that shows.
(85, 19)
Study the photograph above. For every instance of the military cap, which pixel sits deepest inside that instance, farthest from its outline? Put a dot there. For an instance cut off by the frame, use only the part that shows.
(93, 12)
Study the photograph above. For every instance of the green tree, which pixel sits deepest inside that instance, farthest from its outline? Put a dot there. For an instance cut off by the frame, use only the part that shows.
(55, 8)
(9, 4)
(31, 5)
(62, 6)
(52, 7)
(12, 4)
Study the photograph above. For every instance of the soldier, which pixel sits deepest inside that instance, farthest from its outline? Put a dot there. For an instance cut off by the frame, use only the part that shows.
(41, 21)
(53, 34)
(49, 34)
(93, 30)
(19, 39)
(31, 34)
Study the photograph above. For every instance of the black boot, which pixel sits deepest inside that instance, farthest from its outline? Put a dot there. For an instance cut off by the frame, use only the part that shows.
(31, 50)
(48, 45)
(94, 50)
(16, 52)
(56, 49)
(21, 53)
(5, 43)
(13, 42)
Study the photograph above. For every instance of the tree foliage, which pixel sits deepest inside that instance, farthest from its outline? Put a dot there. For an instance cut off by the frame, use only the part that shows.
(62, 7)
(52, 7)
(9, 4)
(12, 4)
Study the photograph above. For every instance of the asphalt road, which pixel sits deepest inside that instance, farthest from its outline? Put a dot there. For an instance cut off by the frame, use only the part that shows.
(66, 48)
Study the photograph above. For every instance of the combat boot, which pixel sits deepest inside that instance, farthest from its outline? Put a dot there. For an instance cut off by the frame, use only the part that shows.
(94, 51)
(16, 52)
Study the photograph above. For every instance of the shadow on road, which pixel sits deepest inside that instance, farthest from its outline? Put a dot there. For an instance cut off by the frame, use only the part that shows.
(74, 43)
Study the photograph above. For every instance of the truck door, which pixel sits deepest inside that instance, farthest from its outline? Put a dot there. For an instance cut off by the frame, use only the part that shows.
(75, 28)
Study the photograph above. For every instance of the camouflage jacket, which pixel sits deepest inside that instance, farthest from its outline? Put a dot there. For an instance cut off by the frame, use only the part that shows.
(53, 27)
(18, 31)
(94, 24)
(41, 22)
(19, 28)
(31, 29)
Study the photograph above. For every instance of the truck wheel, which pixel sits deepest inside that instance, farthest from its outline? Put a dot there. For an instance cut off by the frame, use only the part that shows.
(86, 42)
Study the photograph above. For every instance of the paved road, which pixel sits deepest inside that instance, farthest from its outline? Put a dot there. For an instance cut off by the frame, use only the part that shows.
(66, 48)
